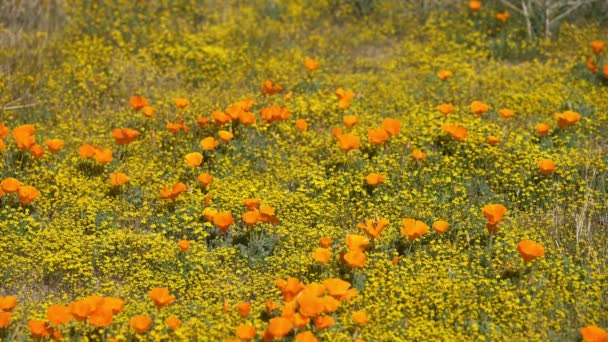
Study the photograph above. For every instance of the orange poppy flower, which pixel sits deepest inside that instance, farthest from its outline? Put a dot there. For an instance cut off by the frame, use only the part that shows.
(278, 327)
(494, 213)
(374, 228)
(445, 108)
(2, 145)
(113, 303)
(220, 118)
(270, 89)
(27, 194)
(54, 145)
(161, 297)
(138, 102)
(474, 5)
(418, 155)
(325, 241)
(243, 308)
(444, 74)
(597, 46)
(360, 317)
(28, 129)
(201, 121)
(321, 255)
(530, 250)
(306, 336)
(478, 107)
(5, 319)
(181, 103)
(118, 178)
(58, 314)
(567, 118)
(184, 245)
(251, 217)
(267, 214)
(348, 142)
(377, 136)
(234, 111)
(547, 166)
(94, 301)
(245, 332)
(101, 317)
(289, 311)
(140, 323)
(245, 104)
(336, 132)
(336, 287)
(80, 310)
(175, 127)
(194, 159)
(8, 303)
(542, 129)
(605, 68)
(374, 179)
(103, 155)
(301, 124)
(125, 136)
(173, 192)
(86, 151)
(311, 64)
(395, 260)
(413, 229)
(148, 111)
(37, 151)
(290, 288)
(4, 131)
(246, 118)
(506, 113)
(441, 226)
(356, 242)
(270, 306)
(591, 66)
(39, 329)
(251, 203)
(344, 98)
(173, 323)
(209, 143)
(355, 258)
(24, 136)
(310, 304)
(592, 333)
(205, 179)
(455, 131)
(391, 126)
(103, 312)
(223, 220)
(225, 136)
(330, 304)
(493, 140)
(10, 185)
(503, 16)
(274, 113)
(324, 322)
(350, 121)
(299, 321)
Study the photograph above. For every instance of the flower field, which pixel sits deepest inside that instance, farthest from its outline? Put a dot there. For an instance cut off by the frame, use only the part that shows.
(299, 170)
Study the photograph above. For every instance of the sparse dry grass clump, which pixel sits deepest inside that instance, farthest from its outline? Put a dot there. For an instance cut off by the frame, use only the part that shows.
(330, 170)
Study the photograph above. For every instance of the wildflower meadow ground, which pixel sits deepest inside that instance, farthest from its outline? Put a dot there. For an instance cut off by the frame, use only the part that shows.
(332, 170)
